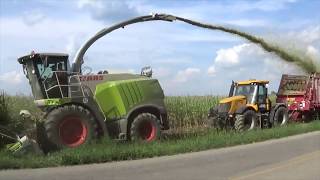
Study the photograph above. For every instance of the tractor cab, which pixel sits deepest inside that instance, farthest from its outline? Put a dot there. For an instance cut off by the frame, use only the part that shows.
(47, 74)
(253, 92)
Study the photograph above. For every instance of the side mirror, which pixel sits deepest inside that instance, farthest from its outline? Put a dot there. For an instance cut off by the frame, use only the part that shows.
(146, 71)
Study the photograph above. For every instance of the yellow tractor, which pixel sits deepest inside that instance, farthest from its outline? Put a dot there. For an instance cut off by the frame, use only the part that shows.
(247, 107)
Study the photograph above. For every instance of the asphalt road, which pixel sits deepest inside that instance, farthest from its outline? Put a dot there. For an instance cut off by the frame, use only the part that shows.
(296, 157)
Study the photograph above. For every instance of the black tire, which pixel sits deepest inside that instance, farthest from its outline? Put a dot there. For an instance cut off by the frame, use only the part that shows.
(246, 121)
(281, 117)
(69, 126)
(145, 127)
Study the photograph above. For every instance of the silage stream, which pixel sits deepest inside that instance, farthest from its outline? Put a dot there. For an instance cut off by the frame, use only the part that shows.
(307, 65)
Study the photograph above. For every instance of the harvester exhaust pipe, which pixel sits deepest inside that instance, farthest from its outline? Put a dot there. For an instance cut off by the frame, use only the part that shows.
(231, 89)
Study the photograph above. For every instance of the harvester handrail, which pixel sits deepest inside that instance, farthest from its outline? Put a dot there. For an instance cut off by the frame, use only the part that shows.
(59, 85)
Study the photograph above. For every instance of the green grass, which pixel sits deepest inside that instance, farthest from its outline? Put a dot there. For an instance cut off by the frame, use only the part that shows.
(106, 151)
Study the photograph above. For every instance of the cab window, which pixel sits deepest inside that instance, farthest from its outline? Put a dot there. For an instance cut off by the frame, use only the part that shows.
(262, 92)
(52, 65)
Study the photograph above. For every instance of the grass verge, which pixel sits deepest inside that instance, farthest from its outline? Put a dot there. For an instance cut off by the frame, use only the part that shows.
(106, 151)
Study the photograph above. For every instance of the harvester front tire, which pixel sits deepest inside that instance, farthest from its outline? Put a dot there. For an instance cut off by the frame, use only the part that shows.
(69, 126)
(145, 127)
(281, 117)
(246, 121)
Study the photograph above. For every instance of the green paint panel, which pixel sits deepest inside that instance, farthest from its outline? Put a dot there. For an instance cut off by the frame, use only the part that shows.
(117, 98)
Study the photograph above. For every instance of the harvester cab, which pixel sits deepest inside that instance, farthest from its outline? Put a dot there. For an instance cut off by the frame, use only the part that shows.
(47, 74)
(247, 107)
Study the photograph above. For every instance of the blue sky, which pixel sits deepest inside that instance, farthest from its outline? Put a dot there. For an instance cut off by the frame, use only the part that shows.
(187, 60)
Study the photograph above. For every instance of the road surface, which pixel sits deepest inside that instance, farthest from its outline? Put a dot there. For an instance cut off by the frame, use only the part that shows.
(296, 157)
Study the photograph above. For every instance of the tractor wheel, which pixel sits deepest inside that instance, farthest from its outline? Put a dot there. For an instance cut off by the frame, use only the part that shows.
(69, 126)
(246, 121)
(281, 117)
(145, 127)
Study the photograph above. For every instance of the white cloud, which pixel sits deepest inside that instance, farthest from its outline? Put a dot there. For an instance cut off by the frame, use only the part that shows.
(230, 56)
(111, 10)
(83, 3)
(300, 39)
(212, 70)
(113, 71)
(33, 17)
(310, 35)
(12, 77)
(199, 35)
(73, 44)
(313, 52)
(248, 22)
(249, 61)
(49, 28)
(185, 75)
(267, 5)
(162, 72)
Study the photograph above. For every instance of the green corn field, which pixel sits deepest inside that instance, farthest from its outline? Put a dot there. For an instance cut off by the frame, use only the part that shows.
(189, 112)
(184, 112)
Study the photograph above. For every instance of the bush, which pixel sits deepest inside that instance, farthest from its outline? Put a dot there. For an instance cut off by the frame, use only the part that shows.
(10, 120)
(15, 105)
(4, 119)
(4, 110)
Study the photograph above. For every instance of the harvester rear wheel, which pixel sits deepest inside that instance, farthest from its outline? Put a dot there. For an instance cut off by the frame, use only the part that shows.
(69, 126)
(246, 121)
(281, 117)
(145, 127)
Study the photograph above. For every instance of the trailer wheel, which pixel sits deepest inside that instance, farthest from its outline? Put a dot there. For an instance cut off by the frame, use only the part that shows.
(145, 127)
(69, 126)
(246, 121)
(281, 117)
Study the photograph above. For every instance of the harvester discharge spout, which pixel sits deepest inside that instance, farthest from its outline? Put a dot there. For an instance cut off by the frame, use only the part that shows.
(78, 60)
